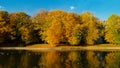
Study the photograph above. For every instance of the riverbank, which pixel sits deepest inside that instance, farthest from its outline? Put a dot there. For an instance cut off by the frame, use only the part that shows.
(85, 47)
(69, 46)
(39, 47)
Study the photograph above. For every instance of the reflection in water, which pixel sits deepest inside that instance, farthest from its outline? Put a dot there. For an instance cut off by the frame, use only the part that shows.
(113, 60)
(74, 60)
(59, 59)
(42, 60)
(53, 60)
(93, 61)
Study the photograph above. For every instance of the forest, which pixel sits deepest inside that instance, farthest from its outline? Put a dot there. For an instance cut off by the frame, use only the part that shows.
(58, 27)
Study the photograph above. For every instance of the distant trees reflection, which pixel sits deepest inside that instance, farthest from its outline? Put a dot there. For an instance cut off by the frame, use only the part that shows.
(59, 59)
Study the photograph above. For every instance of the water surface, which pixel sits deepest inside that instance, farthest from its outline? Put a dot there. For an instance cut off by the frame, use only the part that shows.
(59, 59)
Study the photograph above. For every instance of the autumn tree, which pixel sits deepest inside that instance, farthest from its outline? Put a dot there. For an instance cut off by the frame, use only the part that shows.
(72, 28)
(57, 26)
(39, 22)
(4, 26)
(61, 26)
(21, 25)
(76, 35)
(112, 31)
(12, 25)
(89, 27)
(54, 27)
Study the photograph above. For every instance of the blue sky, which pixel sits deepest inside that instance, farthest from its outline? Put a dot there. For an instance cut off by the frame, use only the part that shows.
(100, 8)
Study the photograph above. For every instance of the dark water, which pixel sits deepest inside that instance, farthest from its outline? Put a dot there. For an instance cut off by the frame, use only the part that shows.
(59, 59)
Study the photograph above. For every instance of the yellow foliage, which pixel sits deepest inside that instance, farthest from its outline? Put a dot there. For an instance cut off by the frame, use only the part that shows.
(112, 29)
(89, 24)
(4, 28)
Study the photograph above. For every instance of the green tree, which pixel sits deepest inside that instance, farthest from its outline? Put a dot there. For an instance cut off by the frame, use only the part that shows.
(112, 30)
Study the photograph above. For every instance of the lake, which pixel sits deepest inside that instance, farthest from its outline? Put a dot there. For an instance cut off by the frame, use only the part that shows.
(59, 59)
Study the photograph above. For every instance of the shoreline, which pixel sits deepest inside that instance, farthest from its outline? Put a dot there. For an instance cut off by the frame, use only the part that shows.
(100, 47)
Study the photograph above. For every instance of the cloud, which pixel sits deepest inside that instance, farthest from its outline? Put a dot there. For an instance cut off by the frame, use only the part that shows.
(72, 7)
(1, 7)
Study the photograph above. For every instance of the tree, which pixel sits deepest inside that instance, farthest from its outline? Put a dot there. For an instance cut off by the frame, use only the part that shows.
(101, 30)
(39, 22)
(112, 29)
(52, 32)
(21, 26)
(61, 26)
(76, 35)
(12, 25)
(89, 27)
(73, 33)
(4, 26)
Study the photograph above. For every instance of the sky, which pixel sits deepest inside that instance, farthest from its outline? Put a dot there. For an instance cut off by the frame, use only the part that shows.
(100, 8)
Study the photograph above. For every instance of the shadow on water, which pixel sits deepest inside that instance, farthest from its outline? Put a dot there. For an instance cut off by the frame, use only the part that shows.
(59, 59)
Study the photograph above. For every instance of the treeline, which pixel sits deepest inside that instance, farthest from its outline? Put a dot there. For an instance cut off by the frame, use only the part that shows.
(58, 27)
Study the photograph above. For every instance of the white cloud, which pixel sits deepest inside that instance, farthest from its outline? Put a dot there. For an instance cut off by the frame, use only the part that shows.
(1, 7)
(72, 7)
